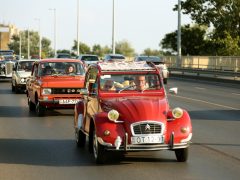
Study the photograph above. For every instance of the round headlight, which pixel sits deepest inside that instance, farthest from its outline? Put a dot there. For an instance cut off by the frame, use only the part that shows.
(177, 112)
(113, 115)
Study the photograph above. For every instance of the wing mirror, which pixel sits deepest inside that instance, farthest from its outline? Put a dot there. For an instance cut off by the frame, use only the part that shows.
(173, 90)
(84, 91)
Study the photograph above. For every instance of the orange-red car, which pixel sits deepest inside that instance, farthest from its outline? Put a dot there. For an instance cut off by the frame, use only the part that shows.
(54, 83)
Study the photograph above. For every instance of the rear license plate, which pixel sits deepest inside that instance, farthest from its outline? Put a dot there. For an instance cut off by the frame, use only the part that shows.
(68, 101)
(146, 139)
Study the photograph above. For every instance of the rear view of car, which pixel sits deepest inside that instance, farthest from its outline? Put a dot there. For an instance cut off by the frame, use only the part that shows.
(159, 63)
(114, 57)
(88, 59)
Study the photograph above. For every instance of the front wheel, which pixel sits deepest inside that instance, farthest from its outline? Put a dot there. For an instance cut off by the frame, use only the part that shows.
(39, 109)
(181, 154)
(80, 138)
(98, 150)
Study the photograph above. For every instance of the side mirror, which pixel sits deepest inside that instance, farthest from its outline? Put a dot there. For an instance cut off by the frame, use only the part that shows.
(173, 90)
(84, 91)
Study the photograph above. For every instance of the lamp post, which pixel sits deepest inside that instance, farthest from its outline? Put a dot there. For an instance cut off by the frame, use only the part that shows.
(28, 43)
(179, 51)
(40, 39)
(113, 29)
(20, 46)
(55, 36)
(78, 46)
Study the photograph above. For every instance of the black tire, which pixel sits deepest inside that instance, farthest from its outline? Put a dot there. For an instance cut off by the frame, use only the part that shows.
(100, 155)
(80, 138)
(31, 105)
(165, 80)
(39, 110)
(181, 154)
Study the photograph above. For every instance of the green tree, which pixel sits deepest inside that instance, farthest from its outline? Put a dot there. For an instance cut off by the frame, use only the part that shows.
(193, 40)
(223, 16)
(150, 52)
(83, 48)
(125, 48)
(33, 42)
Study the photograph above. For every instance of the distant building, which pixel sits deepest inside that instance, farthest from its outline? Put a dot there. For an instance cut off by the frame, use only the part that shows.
(6, 32)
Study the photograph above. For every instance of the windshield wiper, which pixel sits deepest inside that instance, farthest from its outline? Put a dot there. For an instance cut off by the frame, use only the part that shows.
(126, 88)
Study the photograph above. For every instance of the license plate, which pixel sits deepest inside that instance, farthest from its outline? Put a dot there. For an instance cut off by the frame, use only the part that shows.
(68, 101)
(146, 139)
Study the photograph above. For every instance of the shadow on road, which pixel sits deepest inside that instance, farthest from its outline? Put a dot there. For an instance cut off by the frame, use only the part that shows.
(23, 111)
(43, 152)
(222, 115)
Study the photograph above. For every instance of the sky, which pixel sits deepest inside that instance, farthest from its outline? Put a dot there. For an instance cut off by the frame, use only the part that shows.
(143, 23)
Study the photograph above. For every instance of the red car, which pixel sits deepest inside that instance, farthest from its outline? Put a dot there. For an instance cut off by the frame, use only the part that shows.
(54, 84)
(125, 108)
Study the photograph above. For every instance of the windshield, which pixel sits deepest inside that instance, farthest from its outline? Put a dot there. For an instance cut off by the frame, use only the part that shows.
(130, 82)
(89, 58)
(61, 68)
(25, 66)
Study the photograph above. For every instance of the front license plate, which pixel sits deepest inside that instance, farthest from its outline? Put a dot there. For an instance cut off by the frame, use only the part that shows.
(68, 101)
(146, 139)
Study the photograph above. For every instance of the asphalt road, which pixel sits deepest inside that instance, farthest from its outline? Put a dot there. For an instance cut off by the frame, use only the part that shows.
(43, 147)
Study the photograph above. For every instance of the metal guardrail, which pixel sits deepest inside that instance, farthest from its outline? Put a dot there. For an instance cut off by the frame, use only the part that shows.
(225, 67)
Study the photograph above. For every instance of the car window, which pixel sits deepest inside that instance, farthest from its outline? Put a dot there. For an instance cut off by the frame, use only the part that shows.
(89, 58)
(129, 82)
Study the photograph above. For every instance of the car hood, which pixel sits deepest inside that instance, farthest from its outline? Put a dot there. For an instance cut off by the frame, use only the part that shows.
(23, 74)
(62, 81)
(134, 109)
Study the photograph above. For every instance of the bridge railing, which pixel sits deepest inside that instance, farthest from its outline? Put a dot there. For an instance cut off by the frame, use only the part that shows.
(212, 65)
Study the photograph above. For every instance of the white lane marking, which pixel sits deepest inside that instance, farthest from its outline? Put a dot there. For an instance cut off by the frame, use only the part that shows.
(229, 107)
(237, 94)
(199, 88)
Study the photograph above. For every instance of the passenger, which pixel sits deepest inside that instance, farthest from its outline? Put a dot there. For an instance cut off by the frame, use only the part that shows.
(70, 69)
(140, 82)
(47, 70)
(108, 85)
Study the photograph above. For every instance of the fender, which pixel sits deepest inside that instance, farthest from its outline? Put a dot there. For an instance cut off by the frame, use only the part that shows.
(181, 128)
(103, 124)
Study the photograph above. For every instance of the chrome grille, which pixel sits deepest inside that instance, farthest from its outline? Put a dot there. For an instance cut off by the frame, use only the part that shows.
(65, 90)
(8, 68)
(147, 128)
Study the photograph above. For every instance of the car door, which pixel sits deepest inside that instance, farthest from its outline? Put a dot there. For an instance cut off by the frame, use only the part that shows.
(91, 101)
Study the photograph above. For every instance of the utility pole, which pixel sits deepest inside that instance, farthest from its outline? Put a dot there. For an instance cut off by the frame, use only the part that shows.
(20, 46)
(113, 29)
(78, 46)
(179, 51)
(55, 36)
(28, 43)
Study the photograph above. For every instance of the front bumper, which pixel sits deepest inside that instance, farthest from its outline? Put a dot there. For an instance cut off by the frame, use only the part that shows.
(55, 103)
(126, 147)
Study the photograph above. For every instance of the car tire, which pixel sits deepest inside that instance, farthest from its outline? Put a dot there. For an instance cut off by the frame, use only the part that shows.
(165, 80)
(80, 138)
(31, 105)
(181, 154)
(13, 88)
(100, 154)
(39, 109)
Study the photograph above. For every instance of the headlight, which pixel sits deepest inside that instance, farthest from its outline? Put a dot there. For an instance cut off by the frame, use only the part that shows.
(22, 80)
(177, 112)
(113, 115)
(46, 91)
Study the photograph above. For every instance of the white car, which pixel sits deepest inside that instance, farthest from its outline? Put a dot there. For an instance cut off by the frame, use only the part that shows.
(88, 59)
(158, 63)
(21, 71)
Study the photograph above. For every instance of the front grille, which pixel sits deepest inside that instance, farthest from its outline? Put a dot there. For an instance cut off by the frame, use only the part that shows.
(147, 128)
(9, 68)
(65, 90)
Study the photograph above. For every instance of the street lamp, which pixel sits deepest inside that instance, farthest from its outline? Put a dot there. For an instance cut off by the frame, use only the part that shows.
(78, 46)
(54, 41)
(179, 53)
(40, 39)
(113, 29)
(20, 46)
